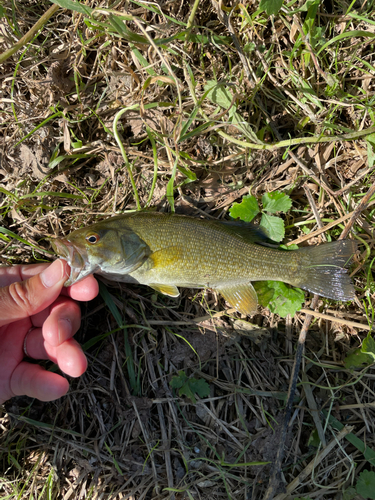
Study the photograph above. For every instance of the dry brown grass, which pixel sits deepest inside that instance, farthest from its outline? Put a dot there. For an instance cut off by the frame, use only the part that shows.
(121, 432)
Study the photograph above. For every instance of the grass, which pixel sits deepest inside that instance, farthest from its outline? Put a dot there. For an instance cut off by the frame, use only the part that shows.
(187, 107)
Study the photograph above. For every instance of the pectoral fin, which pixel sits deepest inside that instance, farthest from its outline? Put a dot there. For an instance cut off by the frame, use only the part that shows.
(241, 297)
(170, 290)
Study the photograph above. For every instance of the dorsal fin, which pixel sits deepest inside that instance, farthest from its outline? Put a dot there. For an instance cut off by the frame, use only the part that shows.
(251, 233)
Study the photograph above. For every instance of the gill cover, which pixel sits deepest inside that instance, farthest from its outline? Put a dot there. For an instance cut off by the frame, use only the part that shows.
(121, 252)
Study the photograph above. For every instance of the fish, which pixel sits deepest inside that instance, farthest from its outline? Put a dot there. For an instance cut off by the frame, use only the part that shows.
(167, 251)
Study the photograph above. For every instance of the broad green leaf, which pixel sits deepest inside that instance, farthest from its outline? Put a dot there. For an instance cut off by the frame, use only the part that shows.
(276, 202)
(290, 247)
(120, 27)
(75, 6)
(76, 156)
(264, 291)
(363, 356)
(286, 300)
(349, 494)
(314, 439)
(189, 174)
(366, 484)
(199, 386)
(241, 124)
(370, 150)
(270, 6)
(246, 210)
(178, 380)
(279, 298)
(190, 386)
(274, 226)
(218, 94)
(305, 6)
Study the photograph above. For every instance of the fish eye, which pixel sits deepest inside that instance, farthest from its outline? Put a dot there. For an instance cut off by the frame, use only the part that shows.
(93, 238)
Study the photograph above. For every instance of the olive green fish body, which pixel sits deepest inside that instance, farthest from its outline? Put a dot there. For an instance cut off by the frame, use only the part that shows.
(192, 252)
(165, 251)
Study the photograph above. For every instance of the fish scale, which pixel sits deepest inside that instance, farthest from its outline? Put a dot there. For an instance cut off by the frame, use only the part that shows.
(222, 251)
(164, 251)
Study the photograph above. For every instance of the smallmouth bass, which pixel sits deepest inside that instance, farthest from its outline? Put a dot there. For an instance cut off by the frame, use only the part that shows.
(166, 251)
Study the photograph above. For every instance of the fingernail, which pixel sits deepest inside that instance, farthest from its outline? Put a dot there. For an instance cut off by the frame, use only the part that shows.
(53, 274)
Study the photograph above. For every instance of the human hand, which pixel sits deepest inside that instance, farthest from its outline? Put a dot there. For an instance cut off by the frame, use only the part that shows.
(38, 317)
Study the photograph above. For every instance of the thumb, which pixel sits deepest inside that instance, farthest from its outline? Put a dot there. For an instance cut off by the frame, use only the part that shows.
(25, 298)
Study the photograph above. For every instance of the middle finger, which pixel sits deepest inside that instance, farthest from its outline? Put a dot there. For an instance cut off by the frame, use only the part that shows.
(63, 321)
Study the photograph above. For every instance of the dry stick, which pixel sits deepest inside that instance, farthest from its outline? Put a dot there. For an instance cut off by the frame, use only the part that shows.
(30, 34)
(307, 388)
(275, 479)
(325, 228)
(361, 206)
(316, 460)
(314, 209)
(346, 322)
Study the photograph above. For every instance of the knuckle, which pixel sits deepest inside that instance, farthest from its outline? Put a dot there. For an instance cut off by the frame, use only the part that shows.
(20, 297)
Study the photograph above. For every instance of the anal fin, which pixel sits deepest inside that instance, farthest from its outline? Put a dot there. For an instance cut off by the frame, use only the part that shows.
(242, 297)
(170, 290)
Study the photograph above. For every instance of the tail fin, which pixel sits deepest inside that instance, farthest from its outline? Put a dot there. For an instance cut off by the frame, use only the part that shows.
(323, 269)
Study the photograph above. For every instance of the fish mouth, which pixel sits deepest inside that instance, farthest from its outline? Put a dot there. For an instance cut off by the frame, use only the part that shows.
(67, 251)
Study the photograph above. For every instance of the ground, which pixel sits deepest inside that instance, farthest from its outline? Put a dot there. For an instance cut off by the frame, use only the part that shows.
(226, 100)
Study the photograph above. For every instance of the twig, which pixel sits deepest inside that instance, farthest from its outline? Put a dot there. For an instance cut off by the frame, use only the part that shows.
(311, 466)
(325, 228)
(346, 322)
(362, 206)
(275, 479)
(30, 34)
(314, 209)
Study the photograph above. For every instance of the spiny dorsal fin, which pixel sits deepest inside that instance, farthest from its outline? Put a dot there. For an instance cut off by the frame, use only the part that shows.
(252, 233)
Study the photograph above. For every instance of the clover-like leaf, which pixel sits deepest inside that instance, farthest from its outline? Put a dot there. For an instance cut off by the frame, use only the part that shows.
(246, 210)
(363, 356)
(279, 298)
(366, 484)
(270, 6)
(190, 386)
(274, 226)
(276, 202)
